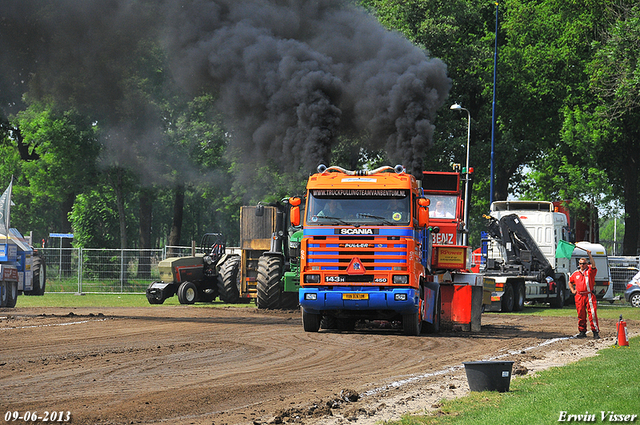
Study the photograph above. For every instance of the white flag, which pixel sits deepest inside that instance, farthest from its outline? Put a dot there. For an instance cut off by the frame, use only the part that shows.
(5, 209)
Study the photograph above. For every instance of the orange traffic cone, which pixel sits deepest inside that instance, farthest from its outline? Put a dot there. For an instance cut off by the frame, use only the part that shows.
(623, 337)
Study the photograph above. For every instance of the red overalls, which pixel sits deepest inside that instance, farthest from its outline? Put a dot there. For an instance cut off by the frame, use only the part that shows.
(585, 298)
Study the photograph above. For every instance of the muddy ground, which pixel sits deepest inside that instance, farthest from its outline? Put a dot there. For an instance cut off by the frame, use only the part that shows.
(190, 365)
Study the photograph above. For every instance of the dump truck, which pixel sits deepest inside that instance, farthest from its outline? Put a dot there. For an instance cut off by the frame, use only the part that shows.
(22, 267)
(366, 255)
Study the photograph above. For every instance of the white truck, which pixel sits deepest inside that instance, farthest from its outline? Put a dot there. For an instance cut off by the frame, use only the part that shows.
(519, 254)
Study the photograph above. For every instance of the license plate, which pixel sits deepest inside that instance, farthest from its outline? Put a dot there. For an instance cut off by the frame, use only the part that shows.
(355, 296)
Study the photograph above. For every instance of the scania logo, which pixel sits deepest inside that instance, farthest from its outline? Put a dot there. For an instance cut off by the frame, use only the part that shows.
(355, 232)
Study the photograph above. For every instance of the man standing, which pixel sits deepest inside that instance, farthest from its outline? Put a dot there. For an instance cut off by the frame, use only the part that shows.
(582, 285)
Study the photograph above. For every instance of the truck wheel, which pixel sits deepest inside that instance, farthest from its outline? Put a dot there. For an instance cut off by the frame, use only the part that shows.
(3, 294)
(12, 294)
(507, 298)
(411, 324)
(558, 301)
(228, 280)
(345, 324)
(187, 293)
(518, 303)
(39, 268)
(330, 322)
(269, 285)
(310, 321)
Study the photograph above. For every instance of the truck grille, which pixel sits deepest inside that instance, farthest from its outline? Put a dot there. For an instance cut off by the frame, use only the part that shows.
(376, 254)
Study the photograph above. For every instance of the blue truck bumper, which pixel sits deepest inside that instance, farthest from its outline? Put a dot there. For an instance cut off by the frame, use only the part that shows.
(401, 300)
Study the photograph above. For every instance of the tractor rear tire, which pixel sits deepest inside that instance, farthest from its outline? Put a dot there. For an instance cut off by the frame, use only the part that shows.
(228, 280)
(269, 282)
(187, 293)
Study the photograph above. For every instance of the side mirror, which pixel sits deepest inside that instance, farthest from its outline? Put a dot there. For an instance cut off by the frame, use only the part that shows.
(423, 212)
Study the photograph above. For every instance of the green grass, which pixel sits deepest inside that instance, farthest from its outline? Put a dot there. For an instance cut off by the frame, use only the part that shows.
(52, 299)
(605, 311)
(606, 382)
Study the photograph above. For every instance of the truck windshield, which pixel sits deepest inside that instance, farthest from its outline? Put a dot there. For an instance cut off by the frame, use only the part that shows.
(442, 206)
(359, 207)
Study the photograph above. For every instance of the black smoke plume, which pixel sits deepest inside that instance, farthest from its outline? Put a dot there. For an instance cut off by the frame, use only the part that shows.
(289, 76)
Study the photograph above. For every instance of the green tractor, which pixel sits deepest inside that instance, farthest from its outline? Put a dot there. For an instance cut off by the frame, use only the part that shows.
(193, 278)
(268, 268)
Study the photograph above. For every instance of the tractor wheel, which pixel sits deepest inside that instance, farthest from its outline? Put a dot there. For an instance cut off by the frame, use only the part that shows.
(39, 268)
(228, 280)
(518, 302)
(269, 284)
(187, 293)
(310, 321)
(507, 298)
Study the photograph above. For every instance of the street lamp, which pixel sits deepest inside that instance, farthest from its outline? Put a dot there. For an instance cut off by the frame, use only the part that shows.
(465, 236)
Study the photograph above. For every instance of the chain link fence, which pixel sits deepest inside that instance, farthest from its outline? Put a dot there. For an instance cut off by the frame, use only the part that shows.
(93, 270)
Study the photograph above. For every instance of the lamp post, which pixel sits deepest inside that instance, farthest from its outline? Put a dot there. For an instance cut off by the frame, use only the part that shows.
(465, 236)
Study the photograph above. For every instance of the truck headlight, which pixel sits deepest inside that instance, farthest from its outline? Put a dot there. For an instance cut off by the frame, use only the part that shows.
(401, 278)
(311, 278)
(311, 296)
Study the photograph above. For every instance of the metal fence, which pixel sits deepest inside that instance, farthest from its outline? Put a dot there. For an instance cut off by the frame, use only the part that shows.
(92, 270)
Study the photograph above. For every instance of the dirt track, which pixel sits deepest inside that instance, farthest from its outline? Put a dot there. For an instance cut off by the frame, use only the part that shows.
(189, 365)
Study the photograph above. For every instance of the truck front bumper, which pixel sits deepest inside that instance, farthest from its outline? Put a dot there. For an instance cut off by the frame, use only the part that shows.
(401, 300)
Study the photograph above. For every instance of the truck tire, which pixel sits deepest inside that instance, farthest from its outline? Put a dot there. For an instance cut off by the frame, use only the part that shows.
(558, 301)
(187, 293)
(328, 322)
(411, 324)
(39, 268)
(12, 294)
(518, 302)
(269, 282)
(310, 321)
(3, 294)
(507, 298)
(228, 280)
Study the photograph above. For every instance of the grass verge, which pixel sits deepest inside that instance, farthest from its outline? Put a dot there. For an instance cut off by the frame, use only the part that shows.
(53, 299)
(602, 385)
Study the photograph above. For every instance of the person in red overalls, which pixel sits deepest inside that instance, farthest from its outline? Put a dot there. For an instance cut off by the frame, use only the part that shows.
(582, 284)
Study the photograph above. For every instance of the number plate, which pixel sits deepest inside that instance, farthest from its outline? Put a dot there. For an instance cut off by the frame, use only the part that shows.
(355, 296)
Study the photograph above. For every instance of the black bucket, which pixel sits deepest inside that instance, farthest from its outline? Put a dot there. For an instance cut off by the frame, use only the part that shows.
(488, 376)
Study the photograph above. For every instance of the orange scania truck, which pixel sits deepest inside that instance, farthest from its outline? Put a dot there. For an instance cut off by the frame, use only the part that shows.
(367, 254)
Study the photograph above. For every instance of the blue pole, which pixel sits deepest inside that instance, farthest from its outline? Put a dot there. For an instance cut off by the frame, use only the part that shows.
(493, 110)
